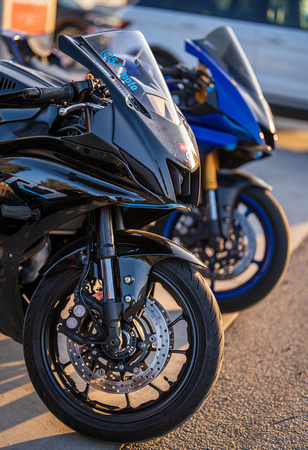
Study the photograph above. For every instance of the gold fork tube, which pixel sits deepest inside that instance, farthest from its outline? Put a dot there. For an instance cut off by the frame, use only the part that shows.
(209, 166)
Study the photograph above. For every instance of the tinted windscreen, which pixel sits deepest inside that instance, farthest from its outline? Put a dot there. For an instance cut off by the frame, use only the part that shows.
(129, 57)
(225, 47)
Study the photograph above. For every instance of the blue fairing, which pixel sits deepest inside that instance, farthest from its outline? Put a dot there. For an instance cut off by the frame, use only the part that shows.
(232, 98)
(214, 131)
(209, 139)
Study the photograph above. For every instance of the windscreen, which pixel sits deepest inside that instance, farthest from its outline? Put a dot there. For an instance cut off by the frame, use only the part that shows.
(225, 47)
(128, 55)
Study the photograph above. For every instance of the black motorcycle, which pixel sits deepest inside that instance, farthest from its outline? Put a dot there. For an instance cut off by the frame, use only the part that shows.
(238, 230)
(122, 336)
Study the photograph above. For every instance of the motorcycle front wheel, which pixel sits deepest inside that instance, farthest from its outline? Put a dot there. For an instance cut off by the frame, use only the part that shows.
(254, 257)
(168, 364)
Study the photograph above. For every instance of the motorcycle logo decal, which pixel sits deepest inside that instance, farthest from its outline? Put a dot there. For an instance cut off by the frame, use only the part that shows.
(117, 65)
(35, 188)
(185, 148)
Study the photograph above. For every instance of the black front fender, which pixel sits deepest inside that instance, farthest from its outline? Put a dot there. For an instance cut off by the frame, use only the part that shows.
(230, 184)
(130, 244)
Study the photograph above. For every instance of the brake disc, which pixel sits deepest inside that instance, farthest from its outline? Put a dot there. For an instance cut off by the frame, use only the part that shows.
(236, 259)
(145, 354)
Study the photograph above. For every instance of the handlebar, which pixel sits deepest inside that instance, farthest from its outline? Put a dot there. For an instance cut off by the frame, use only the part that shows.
(175, 71)
(194, 77)
(70, 91)
(65, 92)
(180, 71)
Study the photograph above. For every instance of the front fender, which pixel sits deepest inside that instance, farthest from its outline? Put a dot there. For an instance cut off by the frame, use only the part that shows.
(230, 184)
(137, 252)
(150, 245)
(129, 244)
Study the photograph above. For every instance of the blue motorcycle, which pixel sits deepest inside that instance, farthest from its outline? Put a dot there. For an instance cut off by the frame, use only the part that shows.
(239, 230)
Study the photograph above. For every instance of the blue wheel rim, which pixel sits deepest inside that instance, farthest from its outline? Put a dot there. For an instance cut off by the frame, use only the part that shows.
(253, 207)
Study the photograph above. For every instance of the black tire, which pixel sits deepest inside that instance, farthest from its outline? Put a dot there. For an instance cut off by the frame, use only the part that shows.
(235, 291)
(176, 396)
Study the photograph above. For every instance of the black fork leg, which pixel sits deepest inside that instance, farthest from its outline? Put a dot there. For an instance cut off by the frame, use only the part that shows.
(112, 306)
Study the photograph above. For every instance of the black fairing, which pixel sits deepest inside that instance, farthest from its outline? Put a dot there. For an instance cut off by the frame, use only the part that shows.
(14, 77)
(146, 140)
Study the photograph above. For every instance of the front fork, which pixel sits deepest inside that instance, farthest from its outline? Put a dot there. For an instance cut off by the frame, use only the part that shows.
(210, 165)
(109, 272)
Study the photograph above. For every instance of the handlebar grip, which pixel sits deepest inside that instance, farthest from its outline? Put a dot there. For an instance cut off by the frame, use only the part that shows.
(65, 92)
(31, 93)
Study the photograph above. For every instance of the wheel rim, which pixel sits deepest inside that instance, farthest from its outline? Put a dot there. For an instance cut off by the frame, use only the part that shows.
(115, 402)
(223, 289)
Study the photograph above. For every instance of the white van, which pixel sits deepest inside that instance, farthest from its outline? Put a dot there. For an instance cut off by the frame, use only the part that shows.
(273, 33)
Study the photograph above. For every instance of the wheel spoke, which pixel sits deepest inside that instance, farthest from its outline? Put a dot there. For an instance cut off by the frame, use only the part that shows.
(150, 290)
(181, 352)
(258, 263)
(65, 365)
(248, 211)
(156, 388)
(171, 383)
(86, 391)
(178, 319)
(128, 403)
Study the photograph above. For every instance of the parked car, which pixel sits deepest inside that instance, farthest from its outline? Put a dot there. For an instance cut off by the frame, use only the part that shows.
(273, 33)
(72, 19)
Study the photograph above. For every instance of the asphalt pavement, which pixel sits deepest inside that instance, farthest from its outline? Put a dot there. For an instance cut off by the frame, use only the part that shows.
(259, 397)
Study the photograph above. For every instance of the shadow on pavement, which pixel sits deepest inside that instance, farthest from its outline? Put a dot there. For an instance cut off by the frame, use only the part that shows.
(25, 422)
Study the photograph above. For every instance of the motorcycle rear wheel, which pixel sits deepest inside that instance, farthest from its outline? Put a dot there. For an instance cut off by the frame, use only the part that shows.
(123, 407)
(254, 259)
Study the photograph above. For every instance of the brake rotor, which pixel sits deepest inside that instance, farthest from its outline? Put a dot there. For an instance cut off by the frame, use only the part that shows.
(238, 252)
(145, 353)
